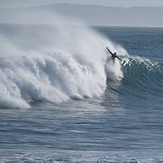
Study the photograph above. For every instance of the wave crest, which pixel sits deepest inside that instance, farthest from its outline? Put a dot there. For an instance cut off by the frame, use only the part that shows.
(53, 64)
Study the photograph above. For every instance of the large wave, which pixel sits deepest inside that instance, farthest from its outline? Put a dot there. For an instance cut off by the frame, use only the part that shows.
(143, 78)
(53, 63)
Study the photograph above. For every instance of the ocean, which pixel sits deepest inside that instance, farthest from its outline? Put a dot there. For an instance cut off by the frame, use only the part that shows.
(63, 99)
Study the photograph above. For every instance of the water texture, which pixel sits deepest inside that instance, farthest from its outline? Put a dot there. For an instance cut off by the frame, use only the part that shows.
(63, 99)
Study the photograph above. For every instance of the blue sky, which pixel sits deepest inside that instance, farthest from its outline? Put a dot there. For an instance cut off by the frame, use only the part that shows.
(115, 3)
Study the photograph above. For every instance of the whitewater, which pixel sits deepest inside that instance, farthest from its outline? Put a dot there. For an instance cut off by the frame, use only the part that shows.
(54, 63)
(64, 99)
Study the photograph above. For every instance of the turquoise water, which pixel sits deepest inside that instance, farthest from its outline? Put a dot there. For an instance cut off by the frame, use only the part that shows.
(65, 100)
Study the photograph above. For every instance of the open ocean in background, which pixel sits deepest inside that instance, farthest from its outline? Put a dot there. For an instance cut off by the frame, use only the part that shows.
(63, 99)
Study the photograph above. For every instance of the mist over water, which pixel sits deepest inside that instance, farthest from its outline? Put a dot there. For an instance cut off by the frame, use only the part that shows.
(82, 106)
(54, 63)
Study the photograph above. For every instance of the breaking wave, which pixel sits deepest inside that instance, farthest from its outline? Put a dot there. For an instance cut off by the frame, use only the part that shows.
(53, 63)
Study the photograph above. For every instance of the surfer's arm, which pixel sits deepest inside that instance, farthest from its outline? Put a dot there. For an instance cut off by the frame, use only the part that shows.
(119, 58)
(109, 51)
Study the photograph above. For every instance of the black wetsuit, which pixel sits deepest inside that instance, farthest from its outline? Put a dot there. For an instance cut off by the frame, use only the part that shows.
(113, 54)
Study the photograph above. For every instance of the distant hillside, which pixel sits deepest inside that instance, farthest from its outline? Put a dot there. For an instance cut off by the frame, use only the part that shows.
(93, 14)
(112, 16)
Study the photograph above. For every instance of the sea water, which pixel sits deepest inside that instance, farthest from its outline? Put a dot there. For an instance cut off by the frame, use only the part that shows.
(63, 99)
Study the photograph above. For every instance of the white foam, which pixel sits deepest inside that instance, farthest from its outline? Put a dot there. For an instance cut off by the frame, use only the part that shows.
(54, 64)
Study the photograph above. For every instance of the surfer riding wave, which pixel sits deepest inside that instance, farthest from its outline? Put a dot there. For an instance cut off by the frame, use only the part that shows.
(114, 55)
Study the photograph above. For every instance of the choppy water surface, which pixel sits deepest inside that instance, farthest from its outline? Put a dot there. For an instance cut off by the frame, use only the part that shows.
(62, 104)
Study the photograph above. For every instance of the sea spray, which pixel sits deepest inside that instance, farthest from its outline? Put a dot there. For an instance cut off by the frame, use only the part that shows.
(55, 64)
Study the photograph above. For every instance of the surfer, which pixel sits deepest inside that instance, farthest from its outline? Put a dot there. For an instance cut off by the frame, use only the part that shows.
(114, 55)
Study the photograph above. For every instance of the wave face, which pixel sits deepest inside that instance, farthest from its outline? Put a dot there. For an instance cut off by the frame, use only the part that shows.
(55, 64)
(143, 78)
